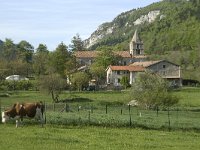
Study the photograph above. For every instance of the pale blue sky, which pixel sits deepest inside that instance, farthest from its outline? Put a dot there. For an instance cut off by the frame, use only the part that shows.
(53, 21)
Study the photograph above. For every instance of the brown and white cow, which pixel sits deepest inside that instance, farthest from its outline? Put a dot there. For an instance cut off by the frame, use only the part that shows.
(23, 110)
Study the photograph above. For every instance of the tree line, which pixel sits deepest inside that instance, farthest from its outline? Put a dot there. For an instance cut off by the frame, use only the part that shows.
(52, 70)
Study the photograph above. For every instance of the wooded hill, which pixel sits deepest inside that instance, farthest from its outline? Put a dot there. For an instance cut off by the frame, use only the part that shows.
(173, 35)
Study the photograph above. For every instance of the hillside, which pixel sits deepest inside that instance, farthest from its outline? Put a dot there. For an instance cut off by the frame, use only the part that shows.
(170, 30)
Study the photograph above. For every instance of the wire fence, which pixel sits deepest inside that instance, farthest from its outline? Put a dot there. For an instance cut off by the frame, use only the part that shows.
(123, 115)
(120, 116)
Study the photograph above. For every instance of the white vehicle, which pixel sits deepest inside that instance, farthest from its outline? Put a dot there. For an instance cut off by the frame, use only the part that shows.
(16, 78)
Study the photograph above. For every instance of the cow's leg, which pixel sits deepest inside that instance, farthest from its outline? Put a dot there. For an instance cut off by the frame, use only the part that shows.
(41, 119)
(39, 116)
(17, 123)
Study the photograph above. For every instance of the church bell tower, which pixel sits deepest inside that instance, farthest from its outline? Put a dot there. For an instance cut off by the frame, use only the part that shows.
(136, 45)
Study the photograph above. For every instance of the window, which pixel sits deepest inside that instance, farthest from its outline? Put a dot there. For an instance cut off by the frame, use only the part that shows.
(118, 80)
(138, 52)
(118, 72)
(164, 66)
(138, 46)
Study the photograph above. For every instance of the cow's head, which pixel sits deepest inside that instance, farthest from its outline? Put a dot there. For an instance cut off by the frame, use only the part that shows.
(5, 117)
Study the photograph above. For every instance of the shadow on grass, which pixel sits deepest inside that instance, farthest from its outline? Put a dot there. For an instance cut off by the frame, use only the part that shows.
(78, 99)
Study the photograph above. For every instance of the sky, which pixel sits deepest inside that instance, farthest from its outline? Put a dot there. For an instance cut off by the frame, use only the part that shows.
(51, 22)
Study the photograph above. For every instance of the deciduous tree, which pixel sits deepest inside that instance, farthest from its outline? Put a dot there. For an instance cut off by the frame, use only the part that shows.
(80, 80)
(54, 84)
(151, 91)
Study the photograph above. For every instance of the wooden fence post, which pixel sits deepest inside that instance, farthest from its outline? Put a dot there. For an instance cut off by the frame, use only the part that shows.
(89, 116)
(129, 108)
(157, 110)
(169, 120)
(66, 107)
(92, 109)
(130, 119)
(53, 106)
(45, 109)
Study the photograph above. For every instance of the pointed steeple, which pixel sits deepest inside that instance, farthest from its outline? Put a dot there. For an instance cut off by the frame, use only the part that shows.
(136, 45)
(136, 38)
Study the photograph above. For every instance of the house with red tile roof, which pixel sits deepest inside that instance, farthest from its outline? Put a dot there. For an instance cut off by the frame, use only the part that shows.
(164, 68)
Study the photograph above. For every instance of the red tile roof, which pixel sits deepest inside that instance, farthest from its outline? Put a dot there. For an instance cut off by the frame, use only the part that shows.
(145, 63)
(129, 68)
(94, 54)
(86, 54)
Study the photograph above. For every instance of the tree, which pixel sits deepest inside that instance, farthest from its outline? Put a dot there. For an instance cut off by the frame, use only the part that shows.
(42, 49)
(151, 91)
(54, 84)
(77, 43)
(59, 57)
(80, 80)
(25, 51)
(106, 57)
(40, 60)
(125, 81)
(70, 67)
(9, 50)
(98, 72)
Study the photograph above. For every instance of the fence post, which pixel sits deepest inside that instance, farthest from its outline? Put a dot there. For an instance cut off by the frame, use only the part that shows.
(45, 116)
(169, 119)
(66, 107)
(130, 121)
(157, 110)
(89, 116)
(53, 106)
(92, 109)
(177, 114)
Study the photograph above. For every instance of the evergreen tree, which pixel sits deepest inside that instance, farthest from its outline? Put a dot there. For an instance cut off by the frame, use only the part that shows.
(59, 57)
(25, 51)
(9, 50)
(77, 43)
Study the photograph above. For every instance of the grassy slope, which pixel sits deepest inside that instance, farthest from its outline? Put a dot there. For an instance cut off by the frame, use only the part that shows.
(189, 97)
(52, 138)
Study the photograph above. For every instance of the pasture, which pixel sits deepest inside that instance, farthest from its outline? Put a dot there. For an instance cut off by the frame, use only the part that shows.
(110, 109)
(104, 121)
(91, 138)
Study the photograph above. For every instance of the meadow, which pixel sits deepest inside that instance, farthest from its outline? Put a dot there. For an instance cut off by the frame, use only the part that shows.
(104, 121)
(92, 138)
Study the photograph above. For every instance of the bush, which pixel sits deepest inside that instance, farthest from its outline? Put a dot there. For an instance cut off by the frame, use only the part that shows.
(18, 85)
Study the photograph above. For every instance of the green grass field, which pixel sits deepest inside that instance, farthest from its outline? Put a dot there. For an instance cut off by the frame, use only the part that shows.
(94, 129)
(189, 97)
(70, 137)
